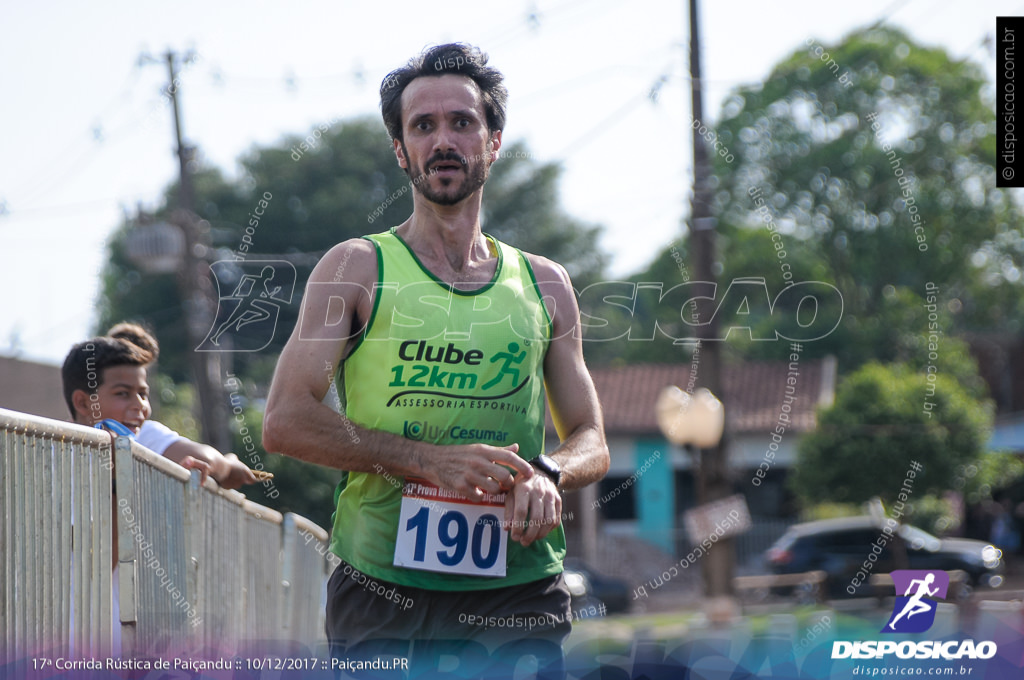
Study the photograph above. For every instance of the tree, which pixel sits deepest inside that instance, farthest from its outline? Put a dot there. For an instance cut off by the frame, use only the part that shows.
(869, 166)
(886, 418)
(649, 314)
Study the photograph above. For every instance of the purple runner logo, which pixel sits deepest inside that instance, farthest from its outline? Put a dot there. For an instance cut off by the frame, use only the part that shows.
(914, 610)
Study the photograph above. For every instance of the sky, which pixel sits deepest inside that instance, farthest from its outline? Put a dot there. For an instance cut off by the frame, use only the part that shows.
(87, 135)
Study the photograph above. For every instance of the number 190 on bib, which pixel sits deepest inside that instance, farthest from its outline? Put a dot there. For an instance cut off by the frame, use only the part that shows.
(454, 538)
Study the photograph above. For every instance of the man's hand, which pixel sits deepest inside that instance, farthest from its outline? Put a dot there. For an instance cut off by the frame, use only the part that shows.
(532, 508)
(475, 469)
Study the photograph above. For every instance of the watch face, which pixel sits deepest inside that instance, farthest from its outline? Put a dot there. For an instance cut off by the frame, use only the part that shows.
(548, 466)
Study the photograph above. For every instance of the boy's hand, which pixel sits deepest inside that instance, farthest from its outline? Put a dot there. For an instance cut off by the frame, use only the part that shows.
(190, 463)
(237, 473)
(226, 469)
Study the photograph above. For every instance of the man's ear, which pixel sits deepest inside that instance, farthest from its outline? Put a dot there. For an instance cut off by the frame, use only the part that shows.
(403, 162)
(495, 144)
(83, 413)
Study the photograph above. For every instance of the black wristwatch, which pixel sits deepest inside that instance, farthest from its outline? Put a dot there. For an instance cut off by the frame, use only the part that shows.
(548, 466)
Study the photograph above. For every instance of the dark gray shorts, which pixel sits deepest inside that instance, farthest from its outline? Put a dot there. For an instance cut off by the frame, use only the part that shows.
(478, 627)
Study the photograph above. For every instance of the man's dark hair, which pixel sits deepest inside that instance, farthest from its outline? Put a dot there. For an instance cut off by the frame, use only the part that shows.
(84, 365)
(453, 58)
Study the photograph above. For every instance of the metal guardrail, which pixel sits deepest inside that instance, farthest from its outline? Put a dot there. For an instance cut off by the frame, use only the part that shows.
(808, 586)
(197, 567)
(55, 488)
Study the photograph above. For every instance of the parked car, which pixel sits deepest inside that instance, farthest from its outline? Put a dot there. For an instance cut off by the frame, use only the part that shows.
(589, 588)
(839, 547)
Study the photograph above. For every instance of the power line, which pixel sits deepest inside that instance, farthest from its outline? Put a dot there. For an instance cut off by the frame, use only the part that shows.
(43, 211)
(597, 75)
(610, 120)
(44, 178)
(888, 12)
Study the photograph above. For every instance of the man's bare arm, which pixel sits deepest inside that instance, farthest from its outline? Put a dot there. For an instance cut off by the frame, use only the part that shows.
(583, 453)
(297, 422)
(534, 506)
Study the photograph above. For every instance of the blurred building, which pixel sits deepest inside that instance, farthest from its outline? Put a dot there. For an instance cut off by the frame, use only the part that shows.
(651, 483)
(31, 387)
(1000, 358)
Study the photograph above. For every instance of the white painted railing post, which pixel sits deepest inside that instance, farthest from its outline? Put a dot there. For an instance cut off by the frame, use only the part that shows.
(127, 562)
(198, 568)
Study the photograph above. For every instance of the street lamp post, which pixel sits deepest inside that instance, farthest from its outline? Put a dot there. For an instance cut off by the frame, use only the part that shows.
(698, 420)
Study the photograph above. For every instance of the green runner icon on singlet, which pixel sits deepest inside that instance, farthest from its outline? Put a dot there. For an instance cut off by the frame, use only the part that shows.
(513, 356)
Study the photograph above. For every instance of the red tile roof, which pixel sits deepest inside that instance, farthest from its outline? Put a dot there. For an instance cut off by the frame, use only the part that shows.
(753, 394)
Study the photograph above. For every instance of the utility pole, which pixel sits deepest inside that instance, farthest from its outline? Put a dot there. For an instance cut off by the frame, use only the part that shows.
(194, 278)
(713, 480)
(186, 193)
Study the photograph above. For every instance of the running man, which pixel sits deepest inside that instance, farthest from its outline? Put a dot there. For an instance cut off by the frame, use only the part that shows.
(914, 604)
(464, 522)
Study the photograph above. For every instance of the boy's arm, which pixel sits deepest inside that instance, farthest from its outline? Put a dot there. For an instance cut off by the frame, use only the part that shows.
(226, 470)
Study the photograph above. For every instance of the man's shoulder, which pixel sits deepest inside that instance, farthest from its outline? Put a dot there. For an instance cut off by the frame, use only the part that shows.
(360, 246)
(546, 270)
(354, 260)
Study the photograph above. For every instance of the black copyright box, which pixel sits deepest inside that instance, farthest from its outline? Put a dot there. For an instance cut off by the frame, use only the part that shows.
(1009, 130)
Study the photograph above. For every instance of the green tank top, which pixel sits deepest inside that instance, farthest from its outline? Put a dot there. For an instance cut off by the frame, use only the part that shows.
(444, 366)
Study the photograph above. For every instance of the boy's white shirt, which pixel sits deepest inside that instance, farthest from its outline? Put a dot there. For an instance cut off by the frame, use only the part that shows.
(156, 436)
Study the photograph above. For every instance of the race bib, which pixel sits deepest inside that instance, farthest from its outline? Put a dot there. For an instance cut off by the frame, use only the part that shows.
(440, 530)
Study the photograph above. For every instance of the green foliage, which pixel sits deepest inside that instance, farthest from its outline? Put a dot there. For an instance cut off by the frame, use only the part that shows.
(936, 515)
(298, 487)
(879, 425)
(521, 208)
(173, 404)
(816, 190)
(827, 510)
(979, 481)
(621, 330)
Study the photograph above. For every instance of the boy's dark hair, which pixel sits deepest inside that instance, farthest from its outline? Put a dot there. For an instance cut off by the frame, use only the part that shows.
(137, 335)
(453, 58)
(84, 365)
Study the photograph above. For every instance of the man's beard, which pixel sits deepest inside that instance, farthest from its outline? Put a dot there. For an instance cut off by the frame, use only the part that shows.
(474, 177)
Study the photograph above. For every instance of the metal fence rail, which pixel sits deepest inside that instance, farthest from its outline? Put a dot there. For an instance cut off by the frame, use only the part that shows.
(265, 587)
(56, 494)
(197, 567)
(305, 551)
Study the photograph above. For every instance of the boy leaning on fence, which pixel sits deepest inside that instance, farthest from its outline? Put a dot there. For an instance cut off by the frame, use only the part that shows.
(105, 383)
